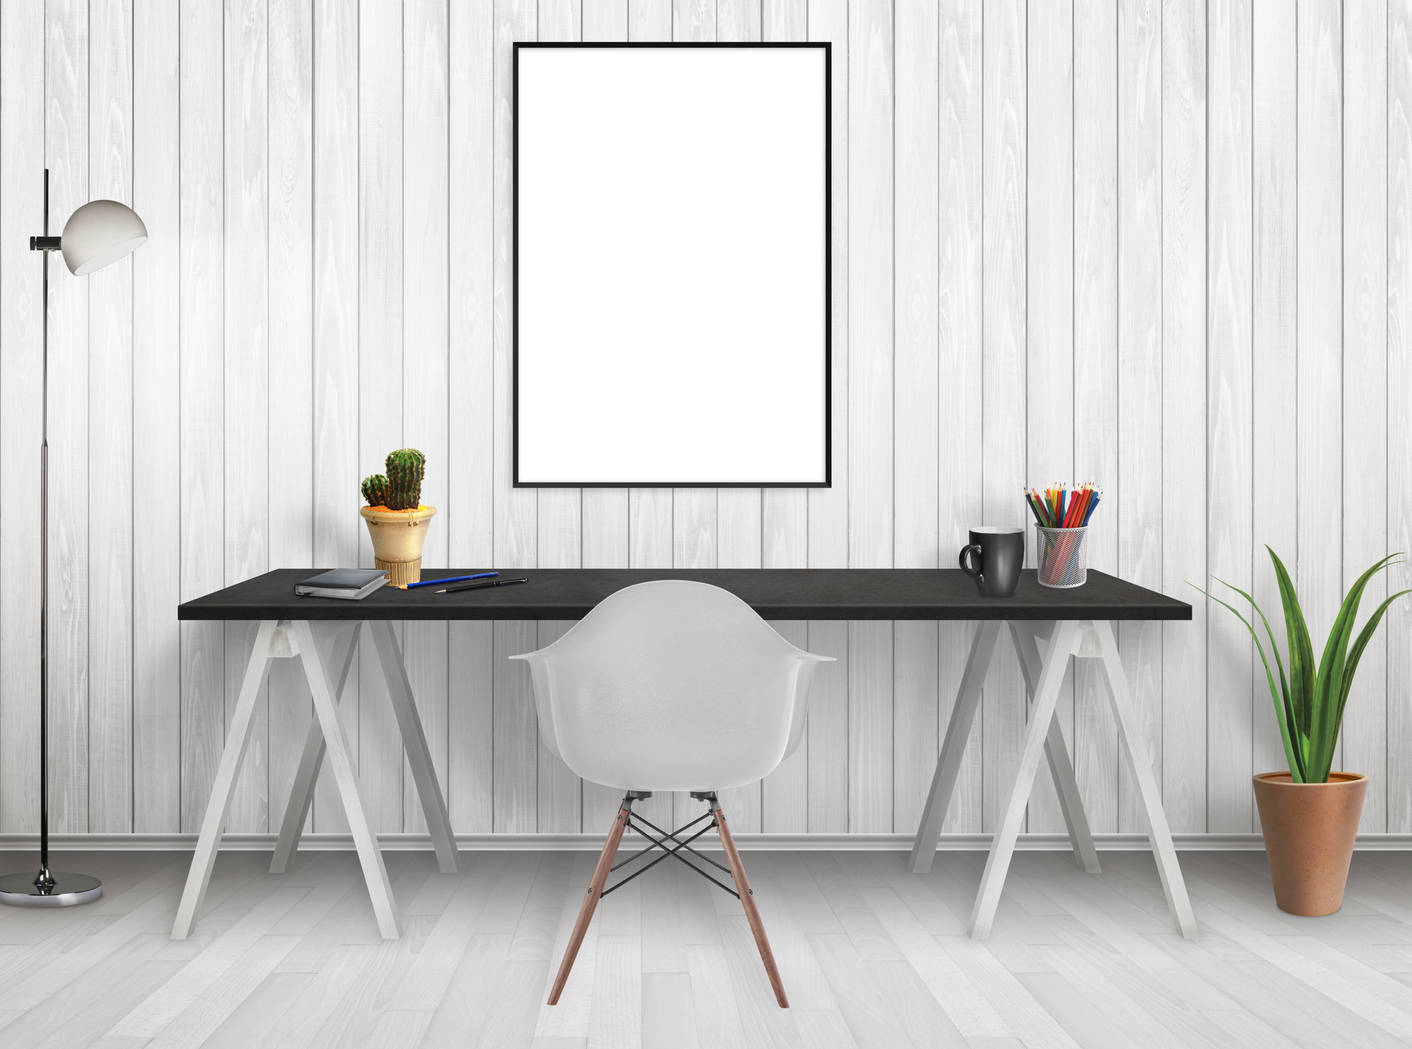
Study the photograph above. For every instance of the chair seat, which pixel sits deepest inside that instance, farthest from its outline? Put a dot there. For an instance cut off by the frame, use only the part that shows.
(671, 685)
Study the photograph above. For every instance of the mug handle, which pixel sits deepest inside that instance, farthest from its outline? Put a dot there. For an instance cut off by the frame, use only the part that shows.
(965, 561)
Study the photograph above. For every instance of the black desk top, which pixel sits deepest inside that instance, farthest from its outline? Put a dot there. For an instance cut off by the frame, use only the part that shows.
(783, 593)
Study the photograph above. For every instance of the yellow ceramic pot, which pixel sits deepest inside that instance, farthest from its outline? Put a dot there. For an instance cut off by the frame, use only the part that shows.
(398, 536)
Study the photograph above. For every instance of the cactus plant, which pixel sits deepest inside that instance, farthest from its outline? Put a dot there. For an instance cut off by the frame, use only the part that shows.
(405, 468)
(375, 490)
(401, 487)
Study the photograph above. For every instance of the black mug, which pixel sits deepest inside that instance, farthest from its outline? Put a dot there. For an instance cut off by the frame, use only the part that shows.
(1001, 552)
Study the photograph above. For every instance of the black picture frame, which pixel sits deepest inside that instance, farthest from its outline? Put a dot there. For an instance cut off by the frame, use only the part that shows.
(668, 482)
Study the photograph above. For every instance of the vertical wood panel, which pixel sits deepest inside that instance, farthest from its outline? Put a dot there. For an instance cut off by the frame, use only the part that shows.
(291, 341)
(650, 527)
(559, 533)
(693, 19)
(784, 512)
(738, 19)
(915, 403)
(1003, 328)
(202, 565)
(959, 349)
(869, 377)
(156, 429)
(739, 521)
(1229, 694)
(470, 475)
(516, 736)
(606, 529)
(67, 68)
(828, 730)
(605, 537)
(1049, 301)
(828, 20)
(1139, 496)
(110, 422)
(380, 353)
(470, 785)
(558, 794)
(649, 19)
(1319, 315)
(870, 403)
(1273, 195)
(1096, 151)
(515, 532)
(426, 390)
(784, 20)
(740, 511)
(1399, 322)
(828, 507)
(560, 516)
(605, 19)
(22, 158)
(246, 417)
(1184, 433)
(337, 528)
(784, 793)
(914, 729)
(557, 799)
(1365, 389)
(870, 743)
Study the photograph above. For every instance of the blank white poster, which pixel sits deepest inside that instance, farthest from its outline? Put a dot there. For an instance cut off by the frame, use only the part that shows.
(671, 265)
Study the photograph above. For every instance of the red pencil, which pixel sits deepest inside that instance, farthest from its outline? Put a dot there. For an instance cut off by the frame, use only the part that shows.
(1081, 505)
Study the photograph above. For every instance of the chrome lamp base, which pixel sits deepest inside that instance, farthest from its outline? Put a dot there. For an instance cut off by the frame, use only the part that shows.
(57, 890)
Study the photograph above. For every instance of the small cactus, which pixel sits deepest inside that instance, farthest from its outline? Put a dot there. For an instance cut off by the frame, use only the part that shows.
(405, 469)
(375, 490)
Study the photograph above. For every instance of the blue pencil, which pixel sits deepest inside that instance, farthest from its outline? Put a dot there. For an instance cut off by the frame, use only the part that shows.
(448, 579)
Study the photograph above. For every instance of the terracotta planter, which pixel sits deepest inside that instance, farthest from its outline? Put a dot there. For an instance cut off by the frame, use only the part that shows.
(1309, 830)
(397, 537)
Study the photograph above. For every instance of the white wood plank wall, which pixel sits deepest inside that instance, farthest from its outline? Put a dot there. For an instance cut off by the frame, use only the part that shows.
(1162, 246)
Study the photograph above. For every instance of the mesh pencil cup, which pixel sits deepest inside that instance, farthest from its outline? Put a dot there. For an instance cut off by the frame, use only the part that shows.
(1062, 554)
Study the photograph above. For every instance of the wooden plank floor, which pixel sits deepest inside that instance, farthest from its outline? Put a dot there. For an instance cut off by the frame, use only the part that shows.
(871, 956)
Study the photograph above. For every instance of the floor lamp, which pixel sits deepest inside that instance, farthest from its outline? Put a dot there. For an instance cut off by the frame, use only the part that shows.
(99, 233)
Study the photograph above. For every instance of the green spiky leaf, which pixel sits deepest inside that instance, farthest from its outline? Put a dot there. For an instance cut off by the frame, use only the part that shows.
(1310, 701)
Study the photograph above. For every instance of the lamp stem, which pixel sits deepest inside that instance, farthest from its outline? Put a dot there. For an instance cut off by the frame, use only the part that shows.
(44, 875)
(47, 889)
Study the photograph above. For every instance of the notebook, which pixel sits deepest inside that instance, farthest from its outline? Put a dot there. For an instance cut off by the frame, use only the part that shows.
(349, 584)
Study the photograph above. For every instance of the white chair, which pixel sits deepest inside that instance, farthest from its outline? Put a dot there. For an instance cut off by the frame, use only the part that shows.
(665, 686)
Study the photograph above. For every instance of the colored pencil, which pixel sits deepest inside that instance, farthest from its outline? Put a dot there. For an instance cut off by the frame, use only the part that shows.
(1060, 506)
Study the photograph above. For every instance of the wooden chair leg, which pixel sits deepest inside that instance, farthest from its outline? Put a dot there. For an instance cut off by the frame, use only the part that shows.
(590, 900)
(747, 900)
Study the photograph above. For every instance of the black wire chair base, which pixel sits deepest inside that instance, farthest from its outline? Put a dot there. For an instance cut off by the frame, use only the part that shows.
(681, 845)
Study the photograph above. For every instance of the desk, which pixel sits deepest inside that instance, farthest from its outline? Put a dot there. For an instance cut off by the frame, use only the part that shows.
(324, 632)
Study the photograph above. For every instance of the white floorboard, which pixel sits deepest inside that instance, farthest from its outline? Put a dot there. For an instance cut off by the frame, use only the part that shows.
(871, 955)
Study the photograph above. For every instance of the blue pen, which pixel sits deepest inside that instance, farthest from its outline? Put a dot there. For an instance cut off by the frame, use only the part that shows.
(448, 579)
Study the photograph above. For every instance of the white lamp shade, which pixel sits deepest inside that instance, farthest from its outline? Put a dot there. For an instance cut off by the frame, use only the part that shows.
(100, 232)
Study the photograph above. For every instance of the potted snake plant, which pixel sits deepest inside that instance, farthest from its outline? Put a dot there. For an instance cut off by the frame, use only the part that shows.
(1309, 814)
(397, 520)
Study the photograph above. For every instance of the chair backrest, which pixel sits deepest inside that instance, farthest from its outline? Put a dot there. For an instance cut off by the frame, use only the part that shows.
(671, 685)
